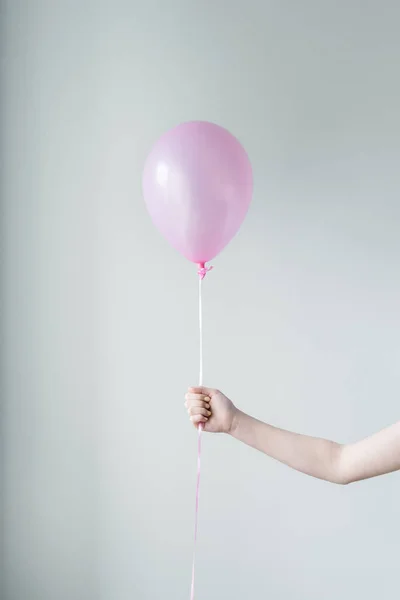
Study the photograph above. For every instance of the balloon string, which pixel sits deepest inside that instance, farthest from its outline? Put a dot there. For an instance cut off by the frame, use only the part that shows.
(200, 331)
(202, 272)
(200, 429)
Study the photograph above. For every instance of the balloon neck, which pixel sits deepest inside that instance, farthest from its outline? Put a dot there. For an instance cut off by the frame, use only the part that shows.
(203, 270)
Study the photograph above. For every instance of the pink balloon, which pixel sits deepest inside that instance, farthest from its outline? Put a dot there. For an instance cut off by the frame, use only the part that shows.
(197, 185)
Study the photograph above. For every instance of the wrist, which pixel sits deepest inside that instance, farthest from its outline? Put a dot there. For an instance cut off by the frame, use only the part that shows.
(235, 423)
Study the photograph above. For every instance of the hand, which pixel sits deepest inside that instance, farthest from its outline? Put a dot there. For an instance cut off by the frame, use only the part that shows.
(211, 408)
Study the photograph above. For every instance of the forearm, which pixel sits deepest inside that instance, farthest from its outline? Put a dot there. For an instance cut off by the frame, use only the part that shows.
(312, 456)
(372, 456)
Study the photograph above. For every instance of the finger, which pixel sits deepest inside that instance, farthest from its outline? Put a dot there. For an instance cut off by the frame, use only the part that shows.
(201, 404)
(203, 397)
(198, 410)
(196, 419)
(205, 391)
(197, 400)
(193, 399)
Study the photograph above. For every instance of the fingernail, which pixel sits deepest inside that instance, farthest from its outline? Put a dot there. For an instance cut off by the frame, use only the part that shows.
(209, 413)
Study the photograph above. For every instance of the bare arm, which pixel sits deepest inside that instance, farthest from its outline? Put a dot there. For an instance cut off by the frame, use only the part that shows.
(372, 456)
(342, 464)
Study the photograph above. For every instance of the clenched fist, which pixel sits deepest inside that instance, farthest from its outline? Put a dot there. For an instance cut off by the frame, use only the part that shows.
(212, 409)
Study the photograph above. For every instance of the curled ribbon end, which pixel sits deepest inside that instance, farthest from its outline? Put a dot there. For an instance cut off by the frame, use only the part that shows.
(203, 270)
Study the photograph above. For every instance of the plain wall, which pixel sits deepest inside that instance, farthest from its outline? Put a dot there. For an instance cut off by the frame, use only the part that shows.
(99, 315)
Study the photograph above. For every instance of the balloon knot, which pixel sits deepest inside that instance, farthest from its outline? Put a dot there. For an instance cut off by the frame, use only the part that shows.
(203, 270)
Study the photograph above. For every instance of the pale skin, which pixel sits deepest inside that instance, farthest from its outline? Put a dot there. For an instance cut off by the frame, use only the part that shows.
(338, 463)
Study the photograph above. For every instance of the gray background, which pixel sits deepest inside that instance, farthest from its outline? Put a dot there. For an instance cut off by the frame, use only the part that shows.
(99, 315)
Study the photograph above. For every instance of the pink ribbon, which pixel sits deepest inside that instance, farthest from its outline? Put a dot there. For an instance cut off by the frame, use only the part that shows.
(203, 270)
(196, 518)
